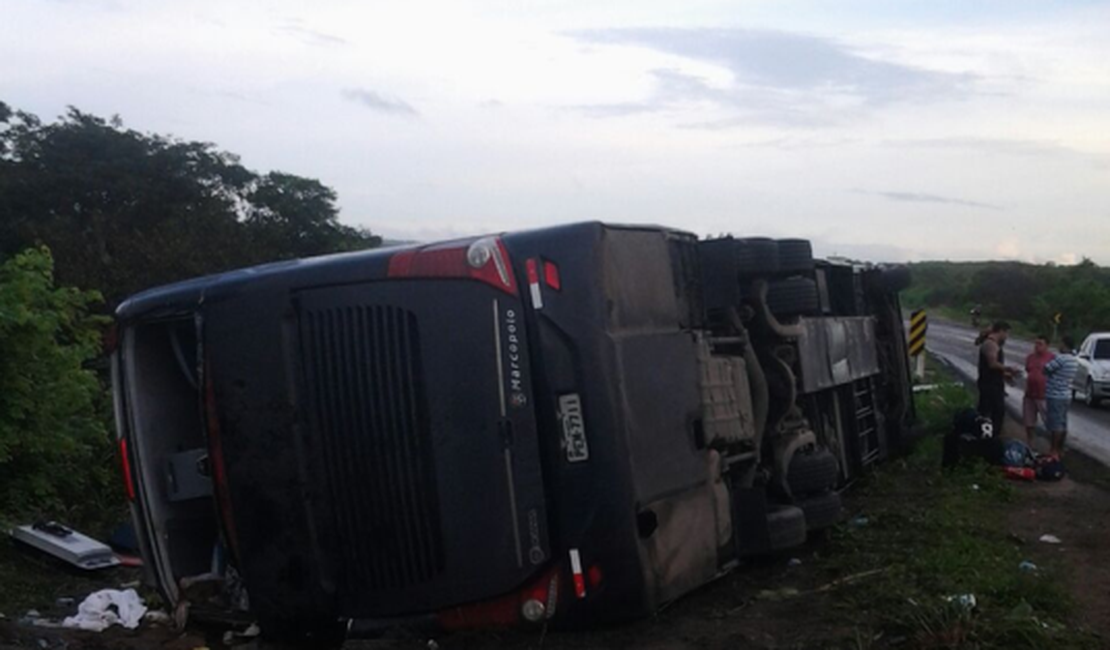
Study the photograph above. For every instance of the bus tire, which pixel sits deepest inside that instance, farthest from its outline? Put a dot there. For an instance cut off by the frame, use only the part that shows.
(812, 472)
(822, 511)
(793, 297)
(795, 256)
(786, 527)
(757, 256)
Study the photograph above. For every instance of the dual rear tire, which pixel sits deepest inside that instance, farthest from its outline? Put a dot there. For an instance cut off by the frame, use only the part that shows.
(811, 477)
(762, 257)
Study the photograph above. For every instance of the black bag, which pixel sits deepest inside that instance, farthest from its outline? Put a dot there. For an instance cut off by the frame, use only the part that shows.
(971, 436)
(1050, 468)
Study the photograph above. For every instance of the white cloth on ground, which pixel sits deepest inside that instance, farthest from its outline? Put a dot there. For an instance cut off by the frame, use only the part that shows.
(102, 609)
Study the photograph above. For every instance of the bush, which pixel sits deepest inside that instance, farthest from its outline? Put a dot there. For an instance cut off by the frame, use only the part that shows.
(56, 453)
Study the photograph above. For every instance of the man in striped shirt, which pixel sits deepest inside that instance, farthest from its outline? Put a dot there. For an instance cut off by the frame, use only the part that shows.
(1060, 372)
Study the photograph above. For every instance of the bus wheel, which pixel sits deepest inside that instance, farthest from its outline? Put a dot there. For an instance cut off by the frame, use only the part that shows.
(812, 472)
(822, 511)
(786, 527)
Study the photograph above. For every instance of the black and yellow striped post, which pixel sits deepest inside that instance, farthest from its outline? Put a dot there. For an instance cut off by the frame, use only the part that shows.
(919, 324)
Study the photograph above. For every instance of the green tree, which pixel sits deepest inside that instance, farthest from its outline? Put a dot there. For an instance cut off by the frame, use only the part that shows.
(1006, 288)
(56, 456)
(298, 217)
(123, 210)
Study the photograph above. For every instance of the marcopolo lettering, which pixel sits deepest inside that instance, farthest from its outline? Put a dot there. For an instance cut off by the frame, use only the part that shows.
(514, 357)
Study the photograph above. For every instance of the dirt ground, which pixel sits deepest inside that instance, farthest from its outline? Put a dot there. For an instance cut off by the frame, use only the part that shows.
(771, 603)
(756, 607)
(1077, 511)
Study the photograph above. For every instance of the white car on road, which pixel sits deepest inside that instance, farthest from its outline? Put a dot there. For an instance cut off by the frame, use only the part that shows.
(1092, 381)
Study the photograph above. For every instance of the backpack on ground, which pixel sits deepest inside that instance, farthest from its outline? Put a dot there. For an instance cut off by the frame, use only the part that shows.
(971, 436)
(1049, 468)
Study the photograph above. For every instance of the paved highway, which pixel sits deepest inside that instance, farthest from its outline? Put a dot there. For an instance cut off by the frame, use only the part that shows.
(1088, 428)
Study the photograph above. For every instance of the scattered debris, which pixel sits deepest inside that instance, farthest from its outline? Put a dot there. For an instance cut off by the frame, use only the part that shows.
(925, 388)
(790, 592)
(432, 645)
(107, 607)
(847, 579)
(64, 602)
(860, 521)
(158, 617)
(129, 560)
(794, 562)
(975, 487)
(232, 637)
(1028, 567)
(777, 594)
(967, 601)
(1050, 539)
(33, 618)
(66, 544)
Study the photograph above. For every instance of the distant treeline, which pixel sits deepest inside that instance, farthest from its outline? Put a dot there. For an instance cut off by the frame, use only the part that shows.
(122, 211)
(1026, 294)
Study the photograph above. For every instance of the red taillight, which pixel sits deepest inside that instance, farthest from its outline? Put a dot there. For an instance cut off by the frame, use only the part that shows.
(533, 604)
(216, 456)
(125, 463)
(484, 259)
(551, 276)
(594, 576)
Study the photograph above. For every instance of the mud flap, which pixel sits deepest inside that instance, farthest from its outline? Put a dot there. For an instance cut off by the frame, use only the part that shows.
(751, 534)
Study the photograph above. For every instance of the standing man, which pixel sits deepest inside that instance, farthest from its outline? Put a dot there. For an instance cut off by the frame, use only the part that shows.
(1034, 404)
(1060, 372)
(993, 375)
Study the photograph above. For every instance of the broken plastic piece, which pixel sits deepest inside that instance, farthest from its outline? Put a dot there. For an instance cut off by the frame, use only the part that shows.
(65, 544)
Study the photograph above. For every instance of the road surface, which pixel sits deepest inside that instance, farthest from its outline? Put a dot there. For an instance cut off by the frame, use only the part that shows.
(1088, 428)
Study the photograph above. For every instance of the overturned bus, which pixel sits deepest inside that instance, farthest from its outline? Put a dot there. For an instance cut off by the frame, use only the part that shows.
(568, 425)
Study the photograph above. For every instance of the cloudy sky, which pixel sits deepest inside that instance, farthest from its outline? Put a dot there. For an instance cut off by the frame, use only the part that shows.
(888, 130)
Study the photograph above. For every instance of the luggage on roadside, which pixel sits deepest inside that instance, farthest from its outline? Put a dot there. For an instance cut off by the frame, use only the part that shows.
(971, 436)
(1020, 473)
(1016, 453)
(1049, 468)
